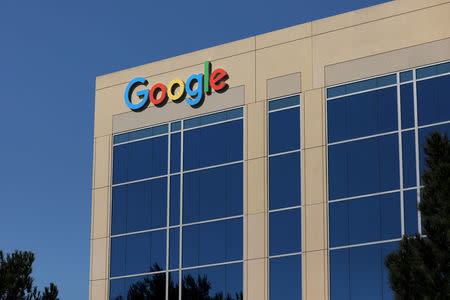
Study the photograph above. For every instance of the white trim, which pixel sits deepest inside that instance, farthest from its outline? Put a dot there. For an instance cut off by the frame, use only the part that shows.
(366, 244)
(286, 255)
(417, 149)
(363, 138)
(284, 153)
(283, 108)
(363, 91)
(400, 156)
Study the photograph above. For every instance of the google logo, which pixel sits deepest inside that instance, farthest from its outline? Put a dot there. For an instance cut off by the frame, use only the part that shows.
(176, 90)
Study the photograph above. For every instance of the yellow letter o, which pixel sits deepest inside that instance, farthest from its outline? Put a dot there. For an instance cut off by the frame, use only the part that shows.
(180, 92)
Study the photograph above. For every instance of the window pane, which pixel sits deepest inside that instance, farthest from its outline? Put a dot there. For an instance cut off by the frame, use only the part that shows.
(337, 120)
(284, 130)
(363, 167)
(175, 200)
(119, 210)
(147, 158)
(175, 152)
(141, 287)
(406, 76)
(117, 289)
(285, 102)
(118, 246)
(409, 159)
(362, 114)
(212, 145)
(217, 282)
(285, 232)
(286, 278)
(423, 134)
(120, 163)
(365, 272)
(147, 205)
(145, 252)
(359, 272)
(338, 222)
(212, 193)
(213, 242)
(173, 285)
(284, 180)
(365, 220)
(174, 248)
(339, 274)
(411, 213)
(407, 104)
(432, 100)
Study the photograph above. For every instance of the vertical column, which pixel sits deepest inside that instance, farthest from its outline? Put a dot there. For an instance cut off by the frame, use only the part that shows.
(101, 207)
(315, 232)
(255, 214)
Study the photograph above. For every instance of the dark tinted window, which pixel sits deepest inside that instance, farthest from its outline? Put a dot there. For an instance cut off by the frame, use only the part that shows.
(217, 282)
(363, 167)
(285, 232)
(433, 100)
(213, 242)
(284, 180)
(284, 130)
(365, 220)
(139, 160)
(286, 278)
(139, 206)
(362, 114)
(359, 272)
(212, 145)
(213, 193)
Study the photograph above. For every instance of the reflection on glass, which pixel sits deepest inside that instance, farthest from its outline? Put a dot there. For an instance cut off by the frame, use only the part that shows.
(213, 283)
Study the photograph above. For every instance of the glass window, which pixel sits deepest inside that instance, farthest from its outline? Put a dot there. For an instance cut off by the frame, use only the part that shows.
(284, 180)
(286, 278)
(175, 200)
(423, 134)
(362, 114)
(138, 253)
(284, 130)
(411, 213)
(174, 248)
(285, 102)
(406, 76)
(173, 285)
(213, 193)
(175, 152)
(175, 126)
(213, 145)
(219, 282)
(139, 206)
(119, 209)
(285, 232)
(432, 100)
(407, 104)
(139, 160)
(213, 242)
(359, 272)
(409, 159)
(365, 220)
(363, 167)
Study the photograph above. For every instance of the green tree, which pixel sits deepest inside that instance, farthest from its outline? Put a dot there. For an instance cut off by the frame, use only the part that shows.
(16, 282)
(420, 268)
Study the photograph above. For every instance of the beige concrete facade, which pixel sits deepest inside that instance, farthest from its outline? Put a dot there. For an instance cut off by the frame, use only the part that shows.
(301, 59)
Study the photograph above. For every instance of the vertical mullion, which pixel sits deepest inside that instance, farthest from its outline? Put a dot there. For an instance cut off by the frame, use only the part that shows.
(400, 155)
(169, 156)
(180, 246)
(416, 138)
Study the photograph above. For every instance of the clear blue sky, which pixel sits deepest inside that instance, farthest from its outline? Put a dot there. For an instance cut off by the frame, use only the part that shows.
(50, 53)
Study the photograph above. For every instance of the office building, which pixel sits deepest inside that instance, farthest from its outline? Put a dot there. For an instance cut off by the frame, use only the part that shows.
(281, 166)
